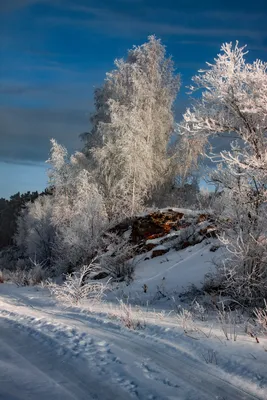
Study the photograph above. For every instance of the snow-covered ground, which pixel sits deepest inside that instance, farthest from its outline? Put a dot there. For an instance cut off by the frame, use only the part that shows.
(48, 351)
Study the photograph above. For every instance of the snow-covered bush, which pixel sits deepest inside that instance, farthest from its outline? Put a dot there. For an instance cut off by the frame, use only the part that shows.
(26, 277)
(129, 317)
(77, 287)
(244, 272)
(80, 220)
(242, 219)
(228, 321)
(186, 237)
(185, 319)
(198, 310)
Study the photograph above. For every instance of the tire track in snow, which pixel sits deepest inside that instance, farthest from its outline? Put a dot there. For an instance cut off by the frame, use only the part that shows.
(180, 365)
(185, 371)
(188, 371)
(57, 376)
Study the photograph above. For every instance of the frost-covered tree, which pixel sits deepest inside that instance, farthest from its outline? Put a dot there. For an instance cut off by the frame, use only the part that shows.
(63, 230)
(132, 127)
(233, 103)
(242, 212)
(79, 214)
(35, 234)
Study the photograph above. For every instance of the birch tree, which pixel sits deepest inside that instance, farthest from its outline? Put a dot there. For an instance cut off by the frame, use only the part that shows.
(79, 214)
(35, 235)
(132, 127)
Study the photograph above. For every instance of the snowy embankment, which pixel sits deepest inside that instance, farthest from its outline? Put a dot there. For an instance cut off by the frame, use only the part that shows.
(48, 351)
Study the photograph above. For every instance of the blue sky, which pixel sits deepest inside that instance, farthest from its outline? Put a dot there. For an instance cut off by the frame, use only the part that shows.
(54, 52)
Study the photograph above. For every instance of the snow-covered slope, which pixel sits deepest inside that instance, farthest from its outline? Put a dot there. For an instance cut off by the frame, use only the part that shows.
(178, 268)
(48, 351)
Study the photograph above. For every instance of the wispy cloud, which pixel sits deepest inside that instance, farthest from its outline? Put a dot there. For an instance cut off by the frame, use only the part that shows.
(52, 56)
(123, 22)
(25, 133)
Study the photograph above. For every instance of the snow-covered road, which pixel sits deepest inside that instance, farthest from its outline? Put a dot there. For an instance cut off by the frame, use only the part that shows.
(50, 352)
(55, 354)
(30, 370)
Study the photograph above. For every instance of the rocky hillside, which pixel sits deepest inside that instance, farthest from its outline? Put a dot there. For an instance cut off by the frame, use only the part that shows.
(158, 231)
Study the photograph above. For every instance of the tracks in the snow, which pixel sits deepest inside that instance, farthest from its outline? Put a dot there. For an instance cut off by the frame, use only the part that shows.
(31, 369)
(164, 359)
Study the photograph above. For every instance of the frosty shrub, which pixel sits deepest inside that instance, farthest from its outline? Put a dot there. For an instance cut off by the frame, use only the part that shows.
(206, 199)
(199, 310)
(26, 277)
(129, 317)
(243, 274)
(187, 236)
(77, 287)
(185, 319)
(228, 322)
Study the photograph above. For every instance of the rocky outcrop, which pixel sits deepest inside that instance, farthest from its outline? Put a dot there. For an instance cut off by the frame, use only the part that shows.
(155, 225)
(158, 231)
(159, 251)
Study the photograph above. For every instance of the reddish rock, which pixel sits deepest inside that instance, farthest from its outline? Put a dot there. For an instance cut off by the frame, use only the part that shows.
(159, 252)
(159, 224)
(155, 236)
(156, 224)
(150, 246)
(144, 228)
(202, 218)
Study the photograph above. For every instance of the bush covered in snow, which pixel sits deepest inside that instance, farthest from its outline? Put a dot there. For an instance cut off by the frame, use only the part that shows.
(78, 287)
(26, 276)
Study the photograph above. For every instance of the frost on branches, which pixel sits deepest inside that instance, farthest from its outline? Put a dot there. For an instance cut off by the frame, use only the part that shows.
(233, 103)
(132, 127)
(77, 287)
(35, 235)
(63, 230)
(79, 215)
